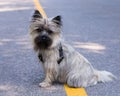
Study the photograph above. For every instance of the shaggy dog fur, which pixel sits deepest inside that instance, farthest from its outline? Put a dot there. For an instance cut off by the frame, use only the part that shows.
(74, 69)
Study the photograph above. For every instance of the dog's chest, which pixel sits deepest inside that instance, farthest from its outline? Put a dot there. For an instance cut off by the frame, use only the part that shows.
(50, 56)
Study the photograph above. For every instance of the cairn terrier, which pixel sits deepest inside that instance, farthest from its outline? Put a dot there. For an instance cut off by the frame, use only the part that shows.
(60, 61)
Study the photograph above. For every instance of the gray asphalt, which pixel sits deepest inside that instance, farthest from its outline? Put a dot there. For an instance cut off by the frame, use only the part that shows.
(91, 26)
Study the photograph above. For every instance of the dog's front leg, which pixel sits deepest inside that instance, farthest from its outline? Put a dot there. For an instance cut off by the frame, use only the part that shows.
(49, 77)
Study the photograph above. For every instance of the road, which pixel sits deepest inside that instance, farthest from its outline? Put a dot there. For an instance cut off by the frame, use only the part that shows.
(91, 26)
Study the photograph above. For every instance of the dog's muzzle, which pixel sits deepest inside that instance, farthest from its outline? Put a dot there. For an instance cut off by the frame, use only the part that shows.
(43, 41)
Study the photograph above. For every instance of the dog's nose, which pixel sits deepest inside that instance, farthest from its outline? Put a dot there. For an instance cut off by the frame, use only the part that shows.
(44, 37)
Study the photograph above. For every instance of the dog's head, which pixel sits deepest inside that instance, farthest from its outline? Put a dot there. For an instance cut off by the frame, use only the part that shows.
(45, 33)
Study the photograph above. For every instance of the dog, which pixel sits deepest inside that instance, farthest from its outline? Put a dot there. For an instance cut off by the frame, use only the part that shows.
(60, 61)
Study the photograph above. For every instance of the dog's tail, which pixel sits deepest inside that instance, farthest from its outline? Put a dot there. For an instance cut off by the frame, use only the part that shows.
(104, 76)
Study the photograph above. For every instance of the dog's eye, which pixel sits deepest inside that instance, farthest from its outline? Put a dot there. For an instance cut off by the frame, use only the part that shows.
(39, 29)
(49, 31)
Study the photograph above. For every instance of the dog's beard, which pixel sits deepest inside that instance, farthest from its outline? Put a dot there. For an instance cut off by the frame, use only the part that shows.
(43, 42)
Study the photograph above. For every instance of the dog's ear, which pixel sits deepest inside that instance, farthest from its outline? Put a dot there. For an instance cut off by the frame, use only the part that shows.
(57, 20)
(37, 14)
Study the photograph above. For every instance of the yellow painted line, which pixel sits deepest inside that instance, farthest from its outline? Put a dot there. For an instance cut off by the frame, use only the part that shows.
(69, 91)
(74, 91)
(39, 7)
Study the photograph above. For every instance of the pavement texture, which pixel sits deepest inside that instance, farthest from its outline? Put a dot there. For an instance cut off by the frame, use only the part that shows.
(91, 26)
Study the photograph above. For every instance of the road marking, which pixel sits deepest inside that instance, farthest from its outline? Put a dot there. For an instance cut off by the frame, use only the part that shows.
(39, 7)
(74, 91)
(69, 91)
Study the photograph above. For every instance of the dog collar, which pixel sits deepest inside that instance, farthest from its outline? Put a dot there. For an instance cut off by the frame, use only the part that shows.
(61, 55)
(40, 58)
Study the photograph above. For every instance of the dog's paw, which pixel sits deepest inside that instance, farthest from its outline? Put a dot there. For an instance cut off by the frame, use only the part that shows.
(44, 84)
